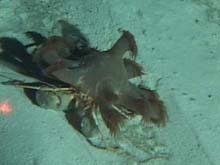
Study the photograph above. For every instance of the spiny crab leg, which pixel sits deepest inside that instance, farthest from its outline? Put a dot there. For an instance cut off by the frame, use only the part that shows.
(97, 119)
(104, 131)
(21, 84)
(13, 81)
(122, 111)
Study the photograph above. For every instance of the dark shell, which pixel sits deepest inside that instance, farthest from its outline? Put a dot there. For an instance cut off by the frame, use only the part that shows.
(68, 60)
(104, 76)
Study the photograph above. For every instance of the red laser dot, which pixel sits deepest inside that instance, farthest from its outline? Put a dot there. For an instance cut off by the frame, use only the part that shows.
(5, 107)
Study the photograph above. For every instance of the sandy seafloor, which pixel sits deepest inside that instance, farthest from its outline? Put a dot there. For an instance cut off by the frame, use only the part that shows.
(179, 43)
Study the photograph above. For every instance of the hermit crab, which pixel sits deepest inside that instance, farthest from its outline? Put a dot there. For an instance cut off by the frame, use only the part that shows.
(89, 85)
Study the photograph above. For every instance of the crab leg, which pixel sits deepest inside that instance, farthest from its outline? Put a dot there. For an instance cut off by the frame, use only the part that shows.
(24, 85)
(125, 43)
(122, 111)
